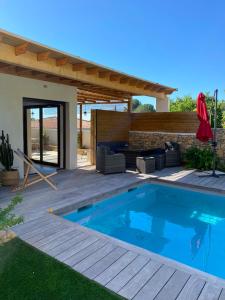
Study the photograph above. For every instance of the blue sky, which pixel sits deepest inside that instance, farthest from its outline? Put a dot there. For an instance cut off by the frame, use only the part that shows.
(179, 43)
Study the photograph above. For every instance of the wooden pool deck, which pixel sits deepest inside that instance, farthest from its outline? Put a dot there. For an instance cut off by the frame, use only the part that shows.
(130, 271)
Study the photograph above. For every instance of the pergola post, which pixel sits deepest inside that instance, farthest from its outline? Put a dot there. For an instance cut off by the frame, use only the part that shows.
(162, 104)
(81, 131)
(129, 105)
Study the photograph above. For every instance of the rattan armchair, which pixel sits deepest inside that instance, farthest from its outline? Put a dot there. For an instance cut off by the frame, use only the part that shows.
(107, 162)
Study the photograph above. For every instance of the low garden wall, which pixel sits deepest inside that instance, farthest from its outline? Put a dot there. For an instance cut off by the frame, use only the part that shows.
(153, 139)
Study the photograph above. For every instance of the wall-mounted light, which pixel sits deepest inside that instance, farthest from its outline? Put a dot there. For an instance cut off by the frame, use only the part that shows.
(85, 110)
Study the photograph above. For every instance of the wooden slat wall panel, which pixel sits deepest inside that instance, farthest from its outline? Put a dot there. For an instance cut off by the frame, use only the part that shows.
(112, 126)
(93, 137)
(165, 121)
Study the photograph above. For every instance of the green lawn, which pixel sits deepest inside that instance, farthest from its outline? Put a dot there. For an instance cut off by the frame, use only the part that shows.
(26, 273)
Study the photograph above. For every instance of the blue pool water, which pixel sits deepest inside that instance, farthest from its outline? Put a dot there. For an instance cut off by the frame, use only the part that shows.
(178, 223)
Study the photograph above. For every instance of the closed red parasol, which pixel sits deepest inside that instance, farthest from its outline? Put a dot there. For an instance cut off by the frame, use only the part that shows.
(204, 132)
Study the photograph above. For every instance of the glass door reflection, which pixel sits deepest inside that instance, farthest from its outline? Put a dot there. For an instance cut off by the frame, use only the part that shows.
(34, 147)
(50, 135)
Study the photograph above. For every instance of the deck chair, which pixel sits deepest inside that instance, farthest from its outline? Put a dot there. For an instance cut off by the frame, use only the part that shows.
(30, 165)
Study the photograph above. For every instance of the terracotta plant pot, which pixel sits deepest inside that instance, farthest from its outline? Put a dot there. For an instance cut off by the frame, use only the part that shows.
(10, 178)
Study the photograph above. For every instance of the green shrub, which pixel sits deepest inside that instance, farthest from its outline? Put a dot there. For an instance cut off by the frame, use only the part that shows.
(200, 159)
(7, 218)
(221, 166)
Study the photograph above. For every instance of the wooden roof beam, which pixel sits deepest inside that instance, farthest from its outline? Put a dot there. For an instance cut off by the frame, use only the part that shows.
(84, 102)
(103, 74)
(6, 68)
(133, 82)
(1, 37)
(79, 67)
(61, 61)
(65, 80)
(43, 55)
(51, 76)
(21, 49)
(86, 99)
(124, 80)
(92, 70)
(101, 98)
(147, 87)
(141, 84)
(23, 71)
(114, 77)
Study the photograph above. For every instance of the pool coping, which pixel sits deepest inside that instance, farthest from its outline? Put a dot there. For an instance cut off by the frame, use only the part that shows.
(59, 212)
(91, 200)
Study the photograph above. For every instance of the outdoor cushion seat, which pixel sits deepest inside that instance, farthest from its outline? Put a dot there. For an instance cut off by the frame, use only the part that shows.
(159, 161)
(145, 165)
(172, 154)
(114, 146)
(108, 162)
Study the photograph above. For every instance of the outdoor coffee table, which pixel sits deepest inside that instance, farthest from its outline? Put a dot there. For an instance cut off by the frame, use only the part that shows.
(132, 154)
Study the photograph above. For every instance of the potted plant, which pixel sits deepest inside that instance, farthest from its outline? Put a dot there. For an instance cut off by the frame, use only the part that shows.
(9, 176)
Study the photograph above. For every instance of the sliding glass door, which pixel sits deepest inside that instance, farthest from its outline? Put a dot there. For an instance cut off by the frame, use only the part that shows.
(42, 134)
(50, 135)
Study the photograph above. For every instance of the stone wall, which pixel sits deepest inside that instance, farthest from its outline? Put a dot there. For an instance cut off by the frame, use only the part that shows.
(148, 139)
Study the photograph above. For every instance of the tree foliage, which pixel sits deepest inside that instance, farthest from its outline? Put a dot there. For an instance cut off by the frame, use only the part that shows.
(183, 104)
(145, 108)
(187, 103)
(137, 106)
(220, 111)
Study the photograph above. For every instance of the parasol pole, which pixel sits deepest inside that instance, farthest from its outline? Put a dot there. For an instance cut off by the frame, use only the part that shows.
(214, 141)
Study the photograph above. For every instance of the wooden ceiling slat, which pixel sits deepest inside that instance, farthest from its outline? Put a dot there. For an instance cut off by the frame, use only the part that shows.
(85, 96)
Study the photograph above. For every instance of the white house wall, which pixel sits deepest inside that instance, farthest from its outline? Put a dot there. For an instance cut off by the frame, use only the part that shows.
(12, 91)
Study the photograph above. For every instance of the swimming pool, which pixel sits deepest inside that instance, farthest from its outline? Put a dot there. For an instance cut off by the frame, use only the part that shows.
(178, 223)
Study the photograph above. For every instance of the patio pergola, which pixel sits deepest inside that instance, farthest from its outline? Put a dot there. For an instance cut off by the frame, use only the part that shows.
(44, 73)
(86, 97)
(23, 57)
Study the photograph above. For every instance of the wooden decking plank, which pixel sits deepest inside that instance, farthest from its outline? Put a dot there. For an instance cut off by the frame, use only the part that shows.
(28, 224)
(58, 240)
(116, 268)
(66, 233)
(192, 289)
(48, 232)
(41, 228)
(93, 258)
(126, 274)
(155, 284)
(174, 286)
(77, 257)
(31, 225)
(139, 280)
(68, 244)
(104, 263)
(78, 247)
(210, 292)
